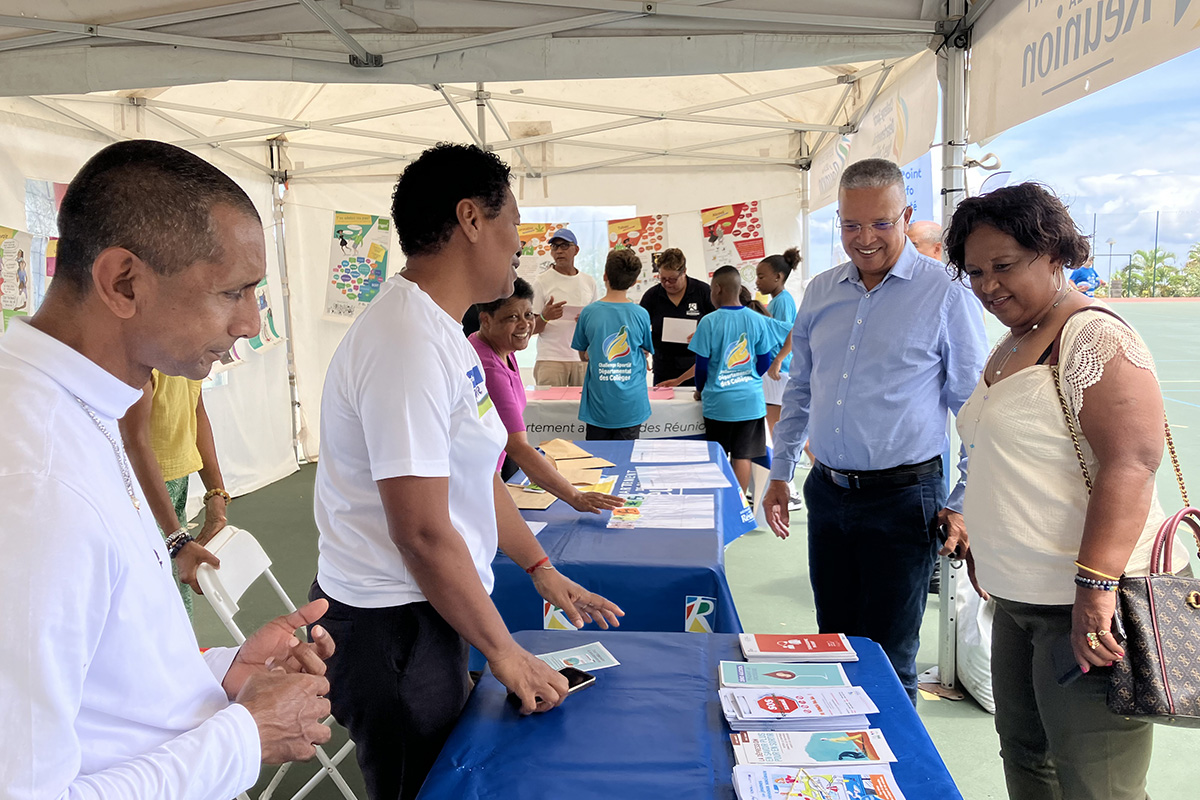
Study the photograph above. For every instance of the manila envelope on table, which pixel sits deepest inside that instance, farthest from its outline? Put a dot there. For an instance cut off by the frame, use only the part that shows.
(562, 449)
(591, 462)
(579, 477)
(530, 501)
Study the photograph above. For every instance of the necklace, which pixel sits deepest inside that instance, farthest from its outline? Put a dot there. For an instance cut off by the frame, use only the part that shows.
(120, 454)
(1015, 347)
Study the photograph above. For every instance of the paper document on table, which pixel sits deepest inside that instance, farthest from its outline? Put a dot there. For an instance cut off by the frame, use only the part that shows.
(685, 476)
(605, 486)
(579, 477)
(587, 657)
(815, 783)
(667, 451)
(696, 511)
(591, 462)
(559, 449)
(678, 330)
(815, 748)
(530, 501)
(536, 527)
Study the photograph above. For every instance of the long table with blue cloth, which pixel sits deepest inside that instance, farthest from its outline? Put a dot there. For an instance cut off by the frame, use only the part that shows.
(649, 728)
(664, 579)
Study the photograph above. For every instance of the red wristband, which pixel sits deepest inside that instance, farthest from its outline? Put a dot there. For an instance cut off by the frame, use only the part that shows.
(545, 560)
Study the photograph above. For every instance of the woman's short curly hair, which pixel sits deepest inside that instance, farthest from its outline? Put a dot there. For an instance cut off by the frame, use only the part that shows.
(1029, 213)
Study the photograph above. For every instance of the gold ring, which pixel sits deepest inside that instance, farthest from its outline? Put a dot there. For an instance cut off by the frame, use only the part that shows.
(1093, 640)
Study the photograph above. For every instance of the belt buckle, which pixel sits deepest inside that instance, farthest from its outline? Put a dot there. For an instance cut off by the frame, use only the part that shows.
(844, 479)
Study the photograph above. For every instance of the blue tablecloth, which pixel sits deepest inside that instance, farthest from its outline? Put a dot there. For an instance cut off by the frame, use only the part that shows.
(649, 728)
(655, 574)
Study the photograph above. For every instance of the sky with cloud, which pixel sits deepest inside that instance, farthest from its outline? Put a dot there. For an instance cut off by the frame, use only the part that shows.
(1115, 157)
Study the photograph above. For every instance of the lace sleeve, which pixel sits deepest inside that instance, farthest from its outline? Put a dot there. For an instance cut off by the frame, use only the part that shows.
(1089, 344)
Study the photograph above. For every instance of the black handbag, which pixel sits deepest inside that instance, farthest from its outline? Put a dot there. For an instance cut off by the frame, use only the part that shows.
(1157, 618)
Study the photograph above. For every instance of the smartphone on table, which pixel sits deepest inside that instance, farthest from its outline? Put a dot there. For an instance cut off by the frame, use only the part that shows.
(577, 680)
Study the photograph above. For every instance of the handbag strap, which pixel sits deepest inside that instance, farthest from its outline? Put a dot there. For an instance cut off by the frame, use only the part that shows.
(1062, 400)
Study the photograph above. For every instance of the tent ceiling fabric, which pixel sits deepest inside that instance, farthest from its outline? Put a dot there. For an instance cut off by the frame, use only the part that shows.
(673, 88)
(60, 47)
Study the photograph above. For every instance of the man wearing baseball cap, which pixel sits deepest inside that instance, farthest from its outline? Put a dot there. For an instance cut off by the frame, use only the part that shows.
(553, 292)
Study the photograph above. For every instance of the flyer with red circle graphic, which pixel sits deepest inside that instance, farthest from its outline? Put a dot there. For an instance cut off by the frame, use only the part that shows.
(733, 235)
(646, 236)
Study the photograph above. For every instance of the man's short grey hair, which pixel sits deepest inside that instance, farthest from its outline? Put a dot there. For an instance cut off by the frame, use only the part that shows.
(871, 173)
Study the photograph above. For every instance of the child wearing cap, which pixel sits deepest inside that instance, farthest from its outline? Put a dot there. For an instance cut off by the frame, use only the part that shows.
(615, 335)
(733, 348)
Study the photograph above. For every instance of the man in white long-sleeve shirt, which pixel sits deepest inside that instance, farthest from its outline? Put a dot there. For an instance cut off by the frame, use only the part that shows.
(104, 692)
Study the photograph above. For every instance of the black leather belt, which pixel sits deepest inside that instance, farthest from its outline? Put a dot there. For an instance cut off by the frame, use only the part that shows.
(907, 475)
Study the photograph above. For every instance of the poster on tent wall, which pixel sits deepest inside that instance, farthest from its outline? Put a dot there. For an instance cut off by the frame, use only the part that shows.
(535, 247)
(358, 263)
(267, 336)
(1030, 58)
(16, 254)
(899, 126)
(733, 235)
(646, 236)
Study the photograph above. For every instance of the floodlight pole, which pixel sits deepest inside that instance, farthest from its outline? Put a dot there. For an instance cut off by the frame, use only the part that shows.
(278, 146)
(954, 189)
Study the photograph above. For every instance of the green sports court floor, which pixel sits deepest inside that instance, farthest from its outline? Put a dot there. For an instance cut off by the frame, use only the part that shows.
(779, 598)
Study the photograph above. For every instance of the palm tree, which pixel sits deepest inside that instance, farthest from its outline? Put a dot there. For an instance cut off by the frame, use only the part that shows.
(1149, 273)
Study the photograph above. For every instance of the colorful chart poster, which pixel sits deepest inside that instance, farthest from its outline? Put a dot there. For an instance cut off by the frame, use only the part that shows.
(16, 255)
(267, 334)
(535, 247)
(358, 263)
(646, 236)
(733, 235)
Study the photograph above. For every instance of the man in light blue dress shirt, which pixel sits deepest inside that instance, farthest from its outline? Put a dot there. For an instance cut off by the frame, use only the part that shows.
(884, 346)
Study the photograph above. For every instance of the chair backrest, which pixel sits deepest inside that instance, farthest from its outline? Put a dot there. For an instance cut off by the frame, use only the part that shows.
(243, 561)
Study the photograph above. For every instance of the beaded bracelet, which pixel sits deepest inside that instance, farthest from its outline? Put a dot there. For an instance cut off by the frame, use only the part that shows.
(1101, 586)
(224, 495)
(177, 541)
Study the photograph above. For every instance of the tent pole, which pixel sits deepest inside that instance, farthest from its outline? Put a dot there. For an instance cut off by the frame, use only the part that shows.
(278, 190)
(954, 182)
(805, 202)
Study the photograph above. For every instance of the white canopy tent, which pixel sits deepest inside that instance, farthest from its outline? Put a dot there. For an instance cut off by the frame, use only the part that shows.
(315, 105)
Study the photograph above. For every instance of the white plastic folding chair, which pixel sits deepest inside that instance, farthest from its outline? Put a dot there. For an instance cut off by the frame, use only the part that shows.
(243, 561)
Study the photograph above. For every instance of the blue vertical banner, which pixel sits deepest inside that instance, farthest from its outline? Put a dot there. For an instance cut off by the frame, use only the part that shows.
(918, 186)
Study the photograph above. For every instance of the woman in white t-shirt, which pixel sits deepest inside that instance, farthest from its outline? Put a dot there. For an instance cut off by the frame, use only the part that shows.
(1046, 550)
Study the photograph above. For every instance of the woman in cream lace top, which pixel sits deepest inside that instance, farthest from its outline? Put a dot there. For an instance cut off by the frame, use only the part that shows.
(1033, 525)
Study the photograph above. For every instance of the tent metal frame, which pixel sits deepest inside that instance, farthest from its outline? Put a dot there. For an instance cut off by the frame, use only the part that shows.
(340, 46)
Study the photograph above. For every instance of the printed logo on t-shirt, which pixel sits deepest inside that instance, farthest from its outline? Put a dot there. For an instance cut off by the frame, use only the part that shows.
(737, 357)
(615, 348)
(693, 310)
(483, 401)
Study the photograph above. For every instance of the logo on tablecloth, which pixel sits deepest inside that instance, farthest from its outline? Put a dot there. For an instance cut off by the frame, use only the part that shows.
(698, 618)
(554, 618)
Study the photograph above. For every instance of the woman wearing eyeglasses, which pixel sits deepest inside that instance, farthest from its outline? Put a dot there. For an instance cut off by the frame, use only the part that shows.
(1048, 550)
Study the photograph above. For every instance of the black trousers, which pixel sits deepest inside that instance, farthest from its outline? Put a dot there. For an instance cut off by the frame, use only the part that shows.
(595, 433)
(398, 682)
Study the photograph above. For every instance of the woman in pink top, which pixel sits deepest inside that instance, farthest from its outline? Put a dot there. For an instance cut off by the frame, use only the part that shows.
(505, 326)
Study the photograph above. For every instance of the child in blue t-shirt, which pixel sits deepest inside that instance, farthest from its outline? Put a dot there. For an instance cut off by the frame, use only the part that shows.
(733, 348)
(615, 335)
(773, 272)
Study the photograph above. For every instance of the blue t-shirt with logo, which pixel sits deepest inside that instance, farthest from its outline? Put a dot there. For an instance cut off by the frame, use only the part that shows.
(614, 335)
(732, 339)
(1087, 279)
(783, 309)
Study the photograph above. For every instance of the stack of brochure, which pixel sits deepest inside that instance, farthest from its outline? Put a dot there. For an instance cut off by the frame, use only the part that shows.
(765, 673)
(815, 783)
(864, 746)
(796, 648)
(775, 709)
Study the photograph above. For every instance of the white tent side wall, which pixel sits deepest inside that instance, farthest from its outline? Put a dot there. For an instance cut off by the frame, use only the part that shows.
(311, 204)
(250, 415)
